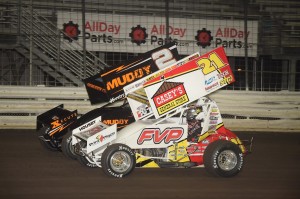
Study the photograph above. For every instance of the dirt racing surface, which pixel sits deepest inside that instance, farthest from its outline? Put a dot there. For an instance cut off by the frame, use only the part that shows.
(27, 170)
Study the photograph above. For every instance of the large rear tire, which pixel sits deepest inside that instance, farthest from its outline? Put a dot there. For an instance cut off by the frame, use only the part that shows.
(223, 158)
(46, 144)
(67, 147)
(118, 160)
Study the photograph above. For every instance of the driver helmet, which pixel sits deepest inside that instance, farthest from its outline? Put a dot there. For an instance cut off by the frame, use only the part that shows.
(191, 114)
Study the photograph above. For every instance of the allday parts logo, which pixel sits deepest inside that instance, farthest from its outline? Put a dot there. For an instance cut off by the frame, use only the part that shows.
(203, 38)
(71, 31)
(138, 35)
(228, 37)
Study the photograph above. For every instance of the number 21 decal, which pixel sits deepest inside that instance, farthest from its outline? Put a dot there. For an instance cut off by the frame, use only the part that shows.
(210, 64)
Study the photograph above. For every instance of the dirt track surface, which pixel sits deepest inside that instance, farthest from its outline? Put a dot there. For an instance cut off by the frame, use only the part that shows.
(27, 170)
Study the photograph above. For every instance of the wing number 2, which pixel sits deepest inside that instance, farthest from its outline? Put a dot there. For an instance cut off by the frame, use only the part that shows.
(163, 58)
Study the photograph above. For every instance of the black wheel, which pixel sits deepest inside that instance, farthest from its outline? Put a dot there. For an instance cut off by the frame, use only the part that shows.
(67, 147)
(49, 145)
(86, 161)
(223, 158)
(118, 160)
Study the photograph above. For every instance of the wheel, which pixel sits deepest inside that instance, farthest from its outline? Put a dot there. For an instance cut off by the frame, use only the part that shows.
(46, 144)
(118, 160)
(67, 147)
(86, 161)
(223, 158)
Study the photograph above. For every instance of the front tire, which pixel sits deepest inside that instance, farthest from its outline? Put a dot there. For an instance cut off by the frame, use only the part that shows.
(223, 158)
(118, 160)
(67, 147)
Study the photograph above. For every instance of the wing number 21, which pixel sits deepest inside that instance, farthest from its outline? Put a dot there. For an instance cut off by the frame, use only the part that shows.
(210, 64)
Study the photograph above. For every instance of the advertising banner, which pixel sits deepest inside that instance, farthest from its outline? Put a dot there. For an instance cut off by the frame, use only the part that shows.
(136, 34)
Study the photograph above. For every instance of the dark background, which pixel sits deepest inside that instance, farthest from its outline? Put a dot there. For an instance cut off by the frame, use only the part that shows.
(27, 170)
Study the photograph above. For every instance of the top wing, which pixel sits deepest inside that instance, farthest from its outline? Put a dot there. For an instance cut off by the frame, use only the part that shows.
(189, 82)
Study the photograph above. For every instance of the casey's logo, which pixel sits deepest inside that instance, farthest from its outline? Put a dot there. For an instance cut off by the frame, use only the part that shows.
(169, 96)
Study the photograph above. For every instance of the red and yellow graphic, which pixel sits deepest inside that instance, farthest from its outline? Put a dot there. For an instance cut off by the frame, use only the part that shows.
(169, 96)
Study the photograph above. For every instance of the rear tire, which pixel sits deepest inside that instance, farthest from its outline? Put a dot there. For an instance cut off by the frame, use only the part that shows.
(118, 160)
(47, 145)
(67, 147)
(223, 158)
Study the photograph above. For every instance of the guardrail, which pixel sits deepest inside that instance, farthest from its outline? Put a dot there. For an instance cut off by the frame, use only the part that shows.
(241, 110)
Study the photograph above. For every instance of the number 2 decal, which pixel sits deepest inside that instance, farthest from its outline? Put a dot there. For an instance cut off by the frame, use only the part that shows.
(210, 64)
(163, 58)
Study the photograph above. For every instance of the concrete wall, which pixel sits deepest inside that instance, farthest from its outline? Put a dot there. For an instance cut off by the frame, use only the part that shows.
(241, 110)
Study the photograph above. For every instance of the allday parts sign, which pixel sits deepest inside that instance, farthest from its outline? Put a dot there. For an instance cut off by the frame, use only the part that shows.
(136, 34)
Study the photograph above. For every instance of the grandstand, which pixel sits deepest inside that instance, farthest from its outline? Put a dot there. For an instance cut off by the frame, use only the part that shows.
(35, 48)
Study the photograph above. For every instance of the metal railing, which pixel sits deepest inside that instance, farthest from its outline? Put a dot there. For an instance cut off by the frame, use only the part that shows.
(48, 39)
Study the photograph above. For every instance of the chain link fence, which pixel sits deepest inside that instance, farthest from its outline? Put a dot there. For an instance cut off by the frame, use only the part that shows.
(59, 43)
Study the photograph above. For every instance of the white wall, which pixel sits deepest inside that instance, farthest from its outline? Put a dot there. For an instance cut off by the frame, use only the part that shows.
(248, 111)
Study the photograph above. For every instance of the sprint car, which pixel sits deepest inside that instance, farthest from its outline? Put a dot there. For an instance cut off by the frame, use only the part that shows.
(54, 126)
(189, 137)
(177, 125)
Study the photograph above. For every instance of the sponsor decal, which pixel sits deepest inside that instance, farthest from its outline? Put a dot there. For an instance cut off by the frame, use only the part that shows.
(226, 80)
(214, 110)
(93, 131)
(113, 99)
(213, 122)
(213, 86)
(87, 125)
(95, 87)
(192, 149)
(60, 124)
(169, 96)
(128, 77)
(116, 121)
(156, 136)
(213, 118)
(143, 110)
(101, 138)
(214, 114)
(211, 63)
(210, 80)
(223, 74)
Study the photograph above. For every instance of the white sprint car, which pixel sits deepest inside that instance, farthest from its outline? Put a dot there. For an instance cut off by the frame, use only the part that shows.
(176, 124)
